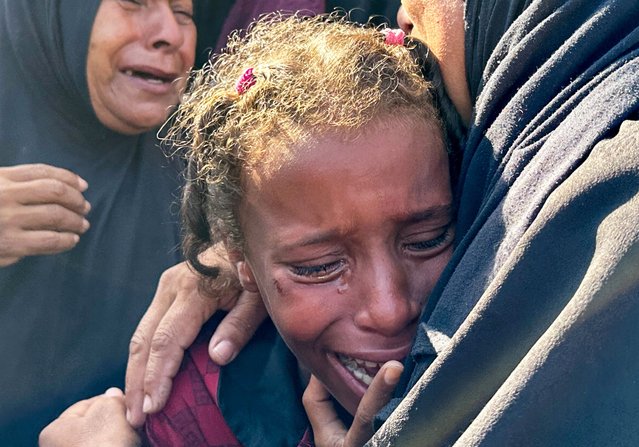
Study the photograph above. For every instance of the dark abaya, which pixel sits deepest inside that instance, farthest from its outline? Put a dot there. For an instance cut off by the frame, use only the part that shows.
(530, 337)
(66, 319)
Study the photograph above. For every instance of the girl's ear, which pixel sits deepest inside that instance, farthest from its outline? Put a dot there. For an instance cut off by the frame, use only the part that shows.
(245, 274)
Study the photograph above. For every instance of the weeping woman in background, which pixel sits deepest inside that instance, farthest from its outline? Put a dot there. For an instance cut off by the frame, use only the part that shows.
(85, 85)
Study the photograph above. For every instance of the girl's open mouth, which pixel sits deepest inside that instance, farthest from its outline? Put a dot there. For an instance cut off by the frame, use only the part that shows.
(362, 370)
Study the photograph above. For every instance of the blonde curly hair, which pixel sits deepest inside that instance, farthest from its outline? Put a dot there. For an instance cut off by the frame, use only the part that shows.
(312, 76)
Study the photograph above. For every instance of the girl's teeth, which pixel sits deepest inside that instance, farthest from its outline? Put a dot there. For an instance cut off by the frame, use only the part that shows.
(363, 376)
(357, 367)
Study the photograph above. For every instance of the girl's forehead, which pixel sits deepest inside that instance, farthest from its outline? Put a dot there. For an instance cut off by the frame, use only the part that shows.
(278, 153)
(397, 152)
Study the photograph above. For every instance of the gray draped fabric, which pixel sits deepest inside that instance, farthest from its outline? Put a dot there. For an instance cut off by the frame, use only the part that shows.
(530, 337)
(66, 319)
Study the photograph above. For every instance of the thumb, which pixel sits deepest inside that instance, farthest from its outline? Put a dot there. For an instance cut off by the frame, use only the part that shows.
(237, 328)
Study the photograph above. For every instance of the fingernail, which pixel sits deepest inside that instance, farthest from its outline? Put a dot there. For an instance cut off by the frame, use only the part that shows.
(224, 351)
(82, 183)
(87, 206)
(85, 225)
(148, 404)
(392, 374)
(113, 392)
(128, 417)
(76, 238)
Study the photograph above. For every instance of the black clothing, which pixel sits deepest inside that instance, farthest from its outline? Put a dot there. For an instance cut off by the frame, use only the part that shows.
(530, 336)
(66, 319)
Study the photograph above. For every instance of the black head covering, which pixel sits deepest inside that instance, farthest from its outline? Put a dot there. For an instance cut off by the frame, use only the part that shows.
(529, 337)
(65, 320)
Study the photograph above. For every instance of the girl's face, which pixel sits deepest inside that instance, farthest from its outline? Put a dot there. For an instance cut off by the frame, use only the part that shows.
(345, 243)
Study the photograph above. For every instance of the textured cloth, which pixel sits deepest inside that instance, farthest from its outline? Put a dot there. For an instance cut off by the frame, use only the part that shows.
(374, 11)
(244, 12)
(258, 393)
(530, 336)
(66, 319)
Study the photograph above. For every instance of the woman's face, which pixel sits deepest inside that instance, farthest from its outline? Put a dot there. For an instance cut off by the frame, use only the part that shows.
(345, 243)
(139, 54)
(440, 25)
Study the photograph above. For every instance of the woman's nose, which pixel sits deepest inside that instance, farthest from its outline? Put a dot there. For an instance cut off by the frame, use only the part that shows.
(387, 306)
(163, 29)
(404, 21)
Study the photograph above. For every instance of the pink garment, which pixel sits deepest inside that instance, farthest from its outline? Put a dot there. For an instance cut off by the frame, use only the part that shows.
(191, 417)
(244, 12)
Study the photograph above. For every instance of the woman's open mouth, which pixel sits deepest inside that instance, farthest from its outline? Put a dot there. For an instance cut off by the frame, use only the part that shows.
(153, 78)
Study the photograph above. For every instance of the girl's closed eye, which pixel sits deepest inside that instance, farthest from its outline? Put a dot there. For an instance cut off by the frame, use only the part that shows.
(319, 272)
(430, 244)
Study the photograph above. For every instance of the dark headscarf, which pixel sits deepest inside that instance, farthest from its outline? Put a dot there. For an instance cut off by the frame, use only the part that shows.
(66, 319)
(530, 336)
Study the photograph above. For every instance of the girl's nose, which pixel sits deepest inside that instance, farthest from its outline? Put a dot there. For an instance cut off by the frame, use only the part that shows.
(387, 306)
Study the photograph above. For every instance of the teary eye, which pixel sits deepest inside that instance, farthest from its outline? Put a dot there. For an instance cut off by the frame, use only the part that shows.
(319, 272)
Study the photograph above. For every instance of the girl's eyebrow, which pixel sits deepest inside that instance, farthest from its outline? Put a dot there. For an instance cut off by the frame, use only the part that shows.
(446, 211)
(316, 239)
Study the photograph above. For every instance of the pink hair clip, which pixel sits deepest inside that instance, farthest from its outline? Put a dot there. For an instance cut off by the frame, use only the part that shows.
(393, 36)
(246, 81)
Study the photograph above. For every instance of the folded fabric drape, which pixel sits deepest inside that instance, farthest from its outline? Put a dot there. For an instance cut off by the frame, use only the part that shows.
(529, 338)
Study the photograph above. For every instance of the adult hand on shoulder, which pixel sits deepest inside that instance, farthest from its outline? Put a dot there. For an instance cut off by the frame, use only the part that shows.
(328, 429)
(42, 211)
(182, 304)
(96, 421)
